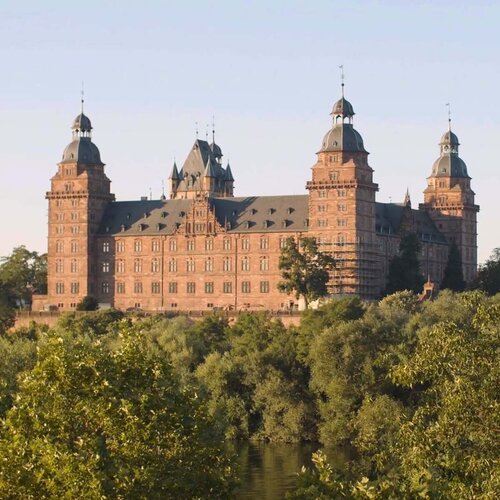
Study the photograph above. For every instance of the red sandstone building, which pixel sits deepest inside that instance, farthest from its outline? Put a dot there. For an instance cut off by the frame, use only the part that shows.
(204, 248)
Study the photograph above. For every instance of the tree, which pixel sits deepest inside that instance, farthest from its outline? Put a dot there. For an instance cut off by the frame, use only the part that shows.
(488, 276)
(108, 419)
(453, 277)
(404, 268)
(305, 270)
(88, 303)
(22, 273)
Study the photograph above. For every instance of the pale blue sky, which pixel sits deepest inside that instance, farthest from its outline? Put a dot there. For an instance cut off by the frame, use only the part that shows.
(268, 70)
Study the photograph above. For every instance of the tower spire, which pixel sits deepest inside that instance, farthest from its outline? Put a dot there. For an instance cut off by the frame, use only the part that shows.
(341, 67)
(448, 105)
(213, 129)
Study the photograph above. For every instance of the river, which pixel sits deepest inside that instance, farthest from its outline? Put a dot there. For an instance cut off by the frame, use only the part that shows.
(269, 470)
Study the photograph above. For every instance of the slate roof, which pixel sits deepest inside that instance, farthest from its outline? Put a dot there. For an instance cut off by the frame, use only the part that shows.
(388, 218)
(244, 214)
(253, 214)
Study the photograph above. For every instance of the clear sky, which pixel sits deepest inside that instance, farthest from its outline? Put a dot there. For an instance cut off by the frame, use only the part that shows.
(268, 70)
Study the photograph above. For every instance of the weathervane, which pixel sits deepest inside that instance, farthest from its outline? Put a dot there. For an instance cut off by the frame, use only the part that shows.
(341, 67)
(448, 105)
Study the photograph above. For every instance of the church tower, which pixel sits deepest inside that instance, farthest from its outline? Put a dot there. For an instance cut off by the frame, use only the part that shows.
(449, 201)
(342, 206)
(79, 194)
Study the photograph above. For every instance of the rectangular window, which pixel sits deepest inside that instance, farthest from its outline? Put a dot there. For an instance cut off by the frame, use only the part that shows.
(264, 287)
(74, 266)
(172, 287)
(120, 246)
(120, 287)
(245, 287)
(264, 264)
(137, 246)
(137, 265)
(264, 243)
(155, 245)
(227, 287)
(341, 193)
(226, 264)
(334, 176)
(105, 267)
(245, 264)
(209, 244)
(226, 244)
(75, 287)
(209, 264)
(59, 288)
(155, 287)
(342, 222)
(190, 266)
(199, 228)
(74, 246)
(138, 287)
(283, 242)
(105, 247)
(172, 266)
(209, 287)
(342, 207)
(155, 265)
(120, 266)
(191, 287)
(322, 208)
(59, 247)
(245, 244)
(105, 287)
(59, 229)
(75, 229)
(191, 246)
(322, 193)
(59, 266)
(323, 222)
(172, 245)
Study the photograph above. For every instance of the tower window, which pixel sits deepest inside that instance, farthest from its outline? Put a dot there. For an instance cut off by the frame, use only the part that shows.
(105, 267)
(105, 287)
(105, 247)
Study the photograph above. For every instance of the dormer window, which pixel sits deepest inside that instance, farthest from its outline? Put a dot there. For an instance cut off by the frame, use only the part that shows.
(253, 211)
(289, 210)
(247, 224)
(270, 211)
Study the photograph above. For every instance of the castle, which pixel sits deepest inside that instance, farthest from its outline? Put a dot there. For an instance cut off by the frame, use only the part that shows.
(204, 248)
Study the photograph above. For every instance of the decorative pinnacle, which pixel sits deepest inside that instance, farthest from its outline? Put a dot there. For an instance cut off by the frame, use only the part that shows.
(213, 129)
(448, 105)
(196, 129)
(341, 67)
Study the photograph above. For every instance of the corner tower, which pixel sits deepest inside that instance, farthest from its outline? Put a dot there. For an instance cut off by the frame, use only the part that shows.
(342, 206)
(79, 194)
(449, 201)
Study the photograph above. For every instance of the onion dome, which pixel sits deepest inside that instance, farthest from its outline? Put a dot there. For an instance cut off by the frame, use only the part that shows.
(81, 149)
(449, 164)
(342, 108)
(82, 123)
(343, 137)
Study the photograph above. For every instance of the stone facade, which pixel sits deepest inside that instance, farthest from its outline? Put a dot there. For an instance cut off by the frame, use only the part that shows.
(204, 248)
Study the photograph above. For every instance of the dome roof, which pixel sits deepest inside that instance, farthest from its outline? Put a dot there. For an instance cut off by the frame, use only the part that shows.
(82, 122)
(449, 165)
(82, 150)
(343, 108)
(343, 137)
(449, 138)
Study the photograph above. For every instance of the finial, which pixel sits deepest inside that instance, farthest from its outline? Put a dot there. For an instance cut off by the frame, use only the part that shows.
(83, 96)
(341, 67)
(206, 132)
(150, 194)
(196, 125)
(162, 188)
(213, 129)
(449, 115)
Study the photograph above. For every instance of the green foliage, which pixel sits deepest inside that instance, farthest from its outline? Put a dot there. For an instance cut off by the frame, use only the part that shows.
(305, 271)
(453, 278)
(22, 273)
(88, 303)
(94, 422)
(404, 268)
(488, 276)
(7, 316)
